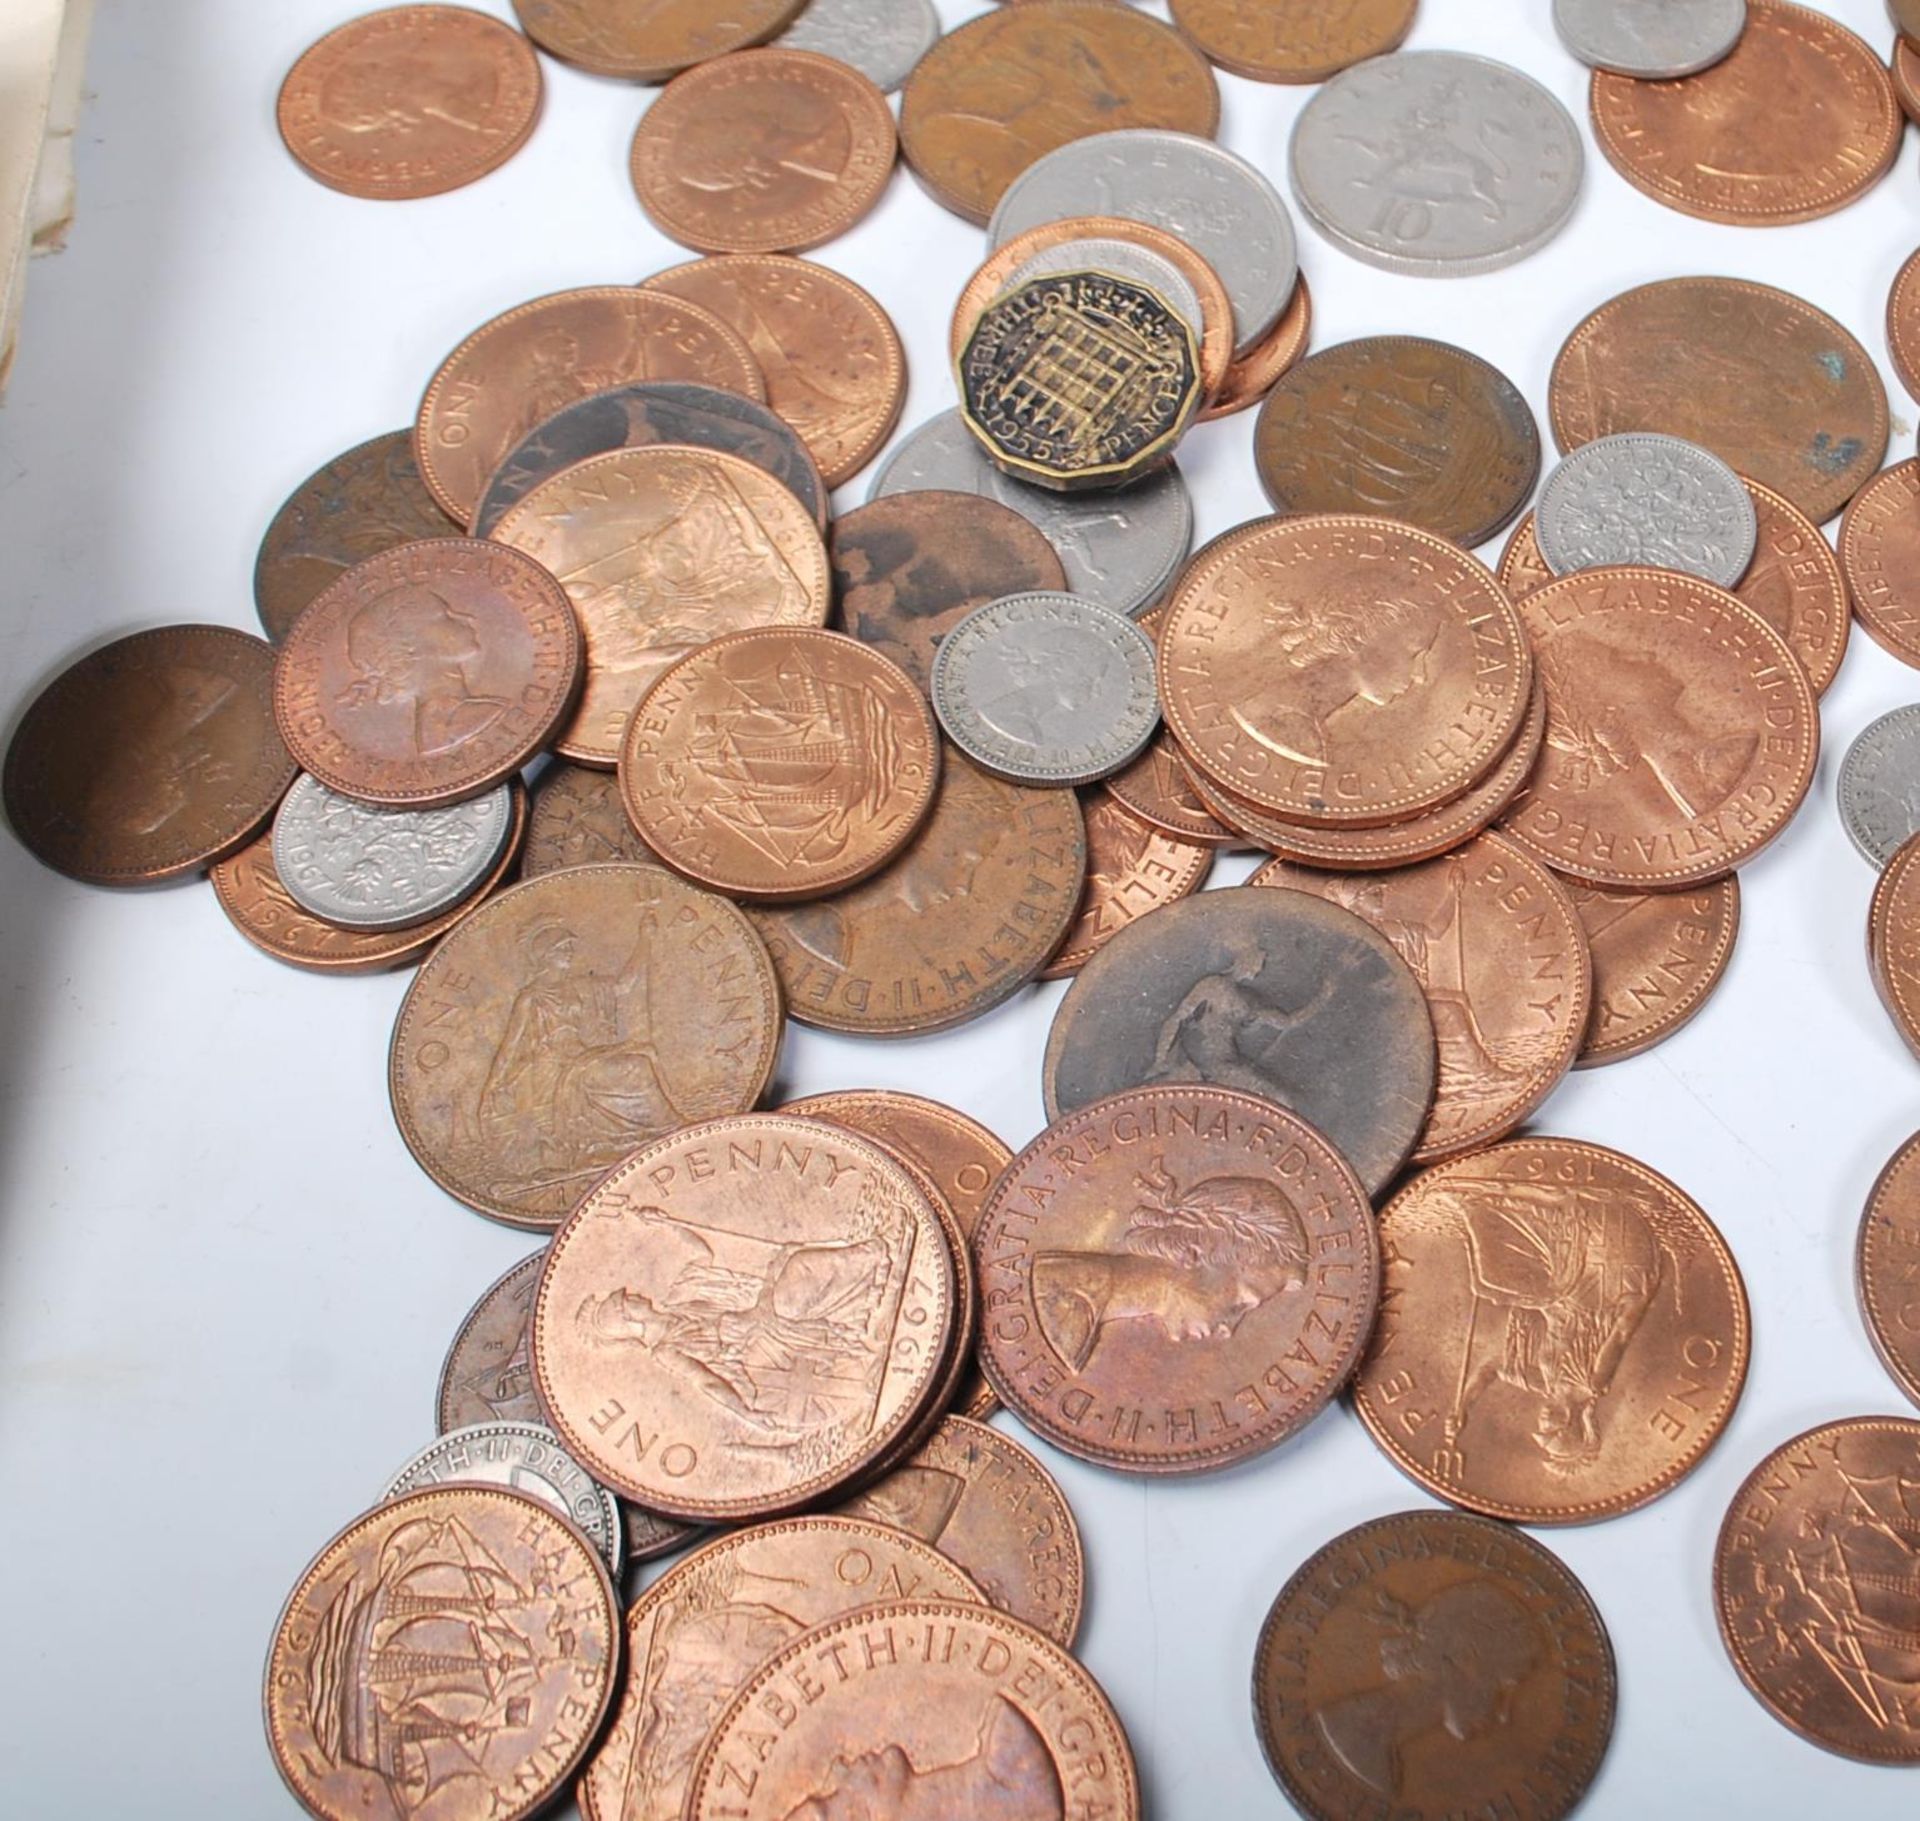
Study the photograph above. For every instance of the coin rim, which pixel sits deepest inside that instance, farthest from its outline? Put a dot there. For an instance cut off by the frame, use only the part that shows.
(1865, 1278)
(1682, 1010)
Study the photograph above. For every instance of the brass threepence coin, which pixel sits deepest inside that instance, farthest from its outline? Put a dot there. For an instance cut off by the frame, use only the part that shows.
(579, 820)
(1293, 40)
(1657, 956)
(1880, 556)
(1893, 941)
(1887, 1266)
(650, 40)
(1132, 868)
(1903, 324)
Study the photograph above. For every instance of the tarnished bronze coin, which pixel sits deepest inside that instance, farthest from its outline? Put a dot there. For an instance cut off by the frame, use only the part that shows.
(1255, 374)
(149, 758)
(1563, 1333)
(661, 549)
(1433, 1665)
(1880, 557)
(1812, 1579)
(572, 1020)
(449, 1655)
(1798, 121)
(830, 355)
(1887, 1267)
(1293, 40)
(411, 101)
(1001, 90)
(1775, 388)
(1132, 868)
(1657, 956)
(1402, 427)
(579, 820)
(963, 919)
(1893, 941)
(650, 40)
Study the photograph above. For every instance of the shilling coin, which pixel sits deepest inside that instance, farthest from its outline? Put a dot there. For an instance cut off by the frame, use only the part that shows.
(579, 820)
(1657, 956)
(1880, 555)
(1887, 1266)
(882, 39)
(650, 40)
(1880, 784)
(1654, 42)
(1893, 941)
(1293, 40)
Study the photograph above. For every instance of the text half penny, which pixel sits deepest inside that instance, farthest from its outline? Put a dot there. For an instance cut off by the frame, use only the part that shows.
(1563, 1333)
(1434, 1612)
(1657, 956)
(570, 1021)
(650, 40)
(150, 758)
(1893, 941)
(1294, 40)
(1132, 868)
(1880, 557)
(1887, 1267)
(577, 819)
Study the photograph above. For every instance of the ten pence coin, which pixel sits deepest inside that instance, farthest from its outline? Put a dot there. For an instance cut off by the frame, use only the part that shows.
(1880, 556)
(1132, 868)
(1887, 1267)
(1657, 956)
(1893, 941)
(1293, 40)
(650, 40)
(1563, 1333)
(579, 820)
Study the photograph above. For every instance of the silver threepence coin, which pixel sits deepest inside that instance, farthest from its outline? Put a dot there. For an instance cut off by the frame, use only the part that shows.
(1436, 162)
(1646, 498)
(1139, 265)
(361, 867)
(1655, 40)
(1120, 550)
(882, 39)
(1047, 689)
(1880, 785)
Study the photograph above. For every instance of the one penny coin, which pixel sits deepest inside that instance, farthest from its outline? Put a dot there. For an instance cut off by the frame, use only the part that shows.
(1880, 556)
(579, 820)
(429, 673)
(1296, 40)
(650, 40)
(570, 1021)
(1657, 956)
(412, 101)
(1255, 374)
(1887, 1266)
(1441, 1662)
(1893, 941)
(1903, 324)
(766, 151)
(1563, 1333)
(1132, 868)
(149, 758)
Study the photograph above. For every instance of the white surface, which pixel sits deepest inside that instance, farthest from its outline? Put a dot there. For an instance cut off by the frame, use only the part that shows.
(225, 1289)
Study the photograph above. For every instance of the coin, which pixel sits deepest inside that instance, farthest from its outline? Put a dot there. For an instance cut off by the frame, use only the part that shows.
(514, 373)
(1001, 91)
(385, 1636)
(1274, 994)
(1905, 71)
(1681, 731)
(830, 355)
(650, 40)
(1879, 788)
(579, 820)
(1655, 43)
(780, 763)
(1403, 427)
(1249, 380)
(411, 101)
(963, 919)
(149, 758)
(1132, 868)
(1809, 1582)
(1879, 547)
(1158, 789)
(1046, 689)
(1657, 956)
(570, 1021)
(428, 673)
(1893, 942)
(1365, 147)
(1903, 324)
(1797, 121)
(1775, 388)
(882, 39)
(1294, 40)
(660, 550)
(1654, 500)
(1438, 1661)
(1887, 1268)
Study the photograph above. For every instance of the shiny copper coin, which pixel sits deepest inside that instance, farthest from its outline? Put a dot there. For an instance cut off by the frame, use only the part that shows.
(1775, 388)
(830, 355)
(1563, 1333)
(1903, 324)
(1879, 554)
(1810, 1581)
(1657, 956)
(963, 919)
(513, 373)
(743, 1316)
(1256, 373)
(1157, 788)
(1132, 868)
(570, 1021)
(650, 40)
(1433, 1665)
(579, 820)
(661, 549)
(1893, 941)
(1905, 71)
(448, 1656)
(149, 758)
(767, 151)
(1887, 1267)
(1293, 40)
(412, 101)
(1001, 90)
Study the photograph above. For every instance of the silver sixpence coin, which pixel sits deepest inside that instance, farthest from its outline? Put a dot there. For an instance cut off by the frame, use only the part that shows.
(529, 1458)
(1880, 785)
(1120, 550)
(1646, 498)
(882, 39)
(1656, 40)
(367, 868)
(1047, 689)
(1436, 162)
(1211, 198)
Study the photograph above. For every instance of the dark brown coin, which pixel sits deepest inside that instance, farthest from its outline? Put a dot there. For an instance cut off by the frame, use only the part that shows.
(579, 820)
(1657, 956)
(1269, 993)
(1893, 941)
(149, 758)
(1132, 868)
(1431, 1666)
(1887, 1266)
(650, 40)
(1880, 557)
(1403, 427)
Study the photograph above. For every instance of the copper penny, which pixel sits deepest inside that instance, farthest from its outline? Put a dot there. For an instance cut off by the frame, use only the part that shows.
(1342, 670)
(1001, 90)
(1434, 1665)
(1657, 956)
(699, 1631)
(1158, 786)
(1775, 388)
(1293, 40)
(448, 1656)
(1563, 1333)
(1903, 324)
(830, 355)
(650, 40)
(1132, 868)
(412, 101)
(1810, 1581)
(1405, 428)
(742, 1316)
(767, 151)
(513, 373)
(570, 1021)
(1887, 1267)
(963, 919)
(1879, 551)
(579, 820)
(1255, 374)
(1893, 941)
(661, 549)
(1905, 71)
(149, 758)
